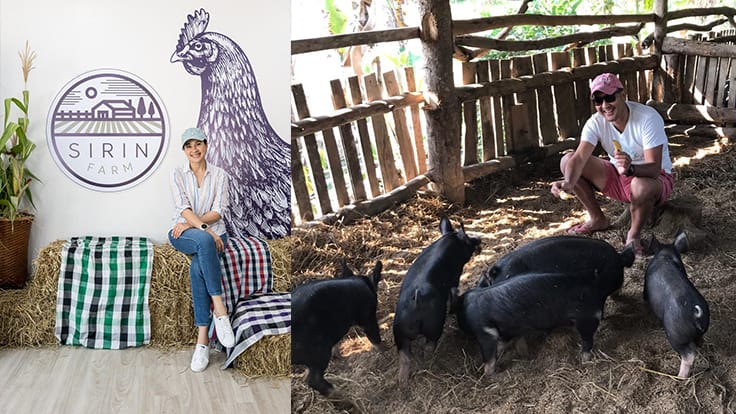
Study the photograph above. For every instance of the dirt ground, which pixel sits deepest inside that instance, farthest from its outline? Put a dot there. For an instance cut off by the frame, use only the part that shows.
(633, 365)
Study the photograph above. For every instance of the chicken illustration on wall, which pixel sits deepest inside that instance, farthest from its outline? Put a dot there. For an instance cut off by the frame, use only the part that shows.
(240, 137)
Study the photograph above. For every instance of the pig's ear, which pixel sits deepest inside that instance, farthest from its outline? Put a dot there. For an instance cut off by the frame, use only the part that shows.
(344, 270)
(681, 243)
(461, 231)
(445, 225)
(376, 274)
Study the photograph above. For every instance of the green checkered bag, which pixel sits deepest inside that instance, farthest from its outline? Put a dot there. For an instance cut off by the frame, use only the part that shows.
(102, 301)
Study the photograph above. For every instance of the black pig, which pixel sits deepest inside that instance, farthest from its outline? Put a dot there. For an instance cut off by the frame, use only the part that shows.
(531, 302)
(563, 254)
(676, 302)
(322, 311)
(422, 304)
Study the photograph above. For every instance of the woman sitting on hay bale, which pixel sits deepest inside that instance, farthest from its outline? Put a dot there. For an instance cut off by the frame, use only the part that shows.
(200, 196)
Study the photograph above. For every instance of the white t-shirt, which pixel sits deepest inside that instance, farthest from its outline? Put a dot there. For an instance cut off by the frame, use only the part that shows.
(644, 130)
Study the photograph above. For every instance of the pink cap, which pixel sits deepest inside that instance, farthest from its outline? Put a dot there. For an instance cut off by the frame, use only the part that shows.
(607, 83)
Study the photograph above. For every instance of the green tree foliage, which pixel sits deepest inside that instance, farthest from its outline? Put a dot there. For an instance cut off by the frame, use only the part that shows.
(337, 20)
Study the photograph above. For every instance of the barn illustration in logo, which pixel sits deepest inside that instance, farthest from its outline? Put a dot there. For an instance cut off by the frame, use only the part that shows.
(107, 130)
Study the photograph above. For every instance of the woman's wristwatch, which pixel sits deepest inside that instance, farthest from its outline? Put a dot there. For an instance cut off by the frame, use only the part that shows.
(203, 226)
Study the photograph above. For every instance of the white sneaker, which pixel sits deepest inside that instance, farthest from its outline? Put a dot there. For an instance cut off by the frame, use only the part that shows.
(224, 331)
(201, 358)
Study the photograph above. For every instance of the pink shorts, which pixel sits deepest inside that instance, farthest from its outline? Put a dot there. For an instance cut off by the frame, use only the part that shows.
(618, 186)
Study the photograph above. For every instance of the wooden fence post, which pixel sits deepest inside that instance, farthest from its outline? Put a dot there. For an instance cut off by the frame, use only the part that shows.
(660, 31)
(365, 138)
(443, 122)
(299, 182)
(486, 114)
(411, 86)
(470, 118)
(380, 131)
(348, 143)
(520, 66)
(310, 144)
(564, 98)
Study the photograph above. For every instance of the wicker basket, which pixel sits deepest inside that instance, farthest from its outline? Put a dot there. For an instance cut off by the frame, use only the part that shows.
(14, 251)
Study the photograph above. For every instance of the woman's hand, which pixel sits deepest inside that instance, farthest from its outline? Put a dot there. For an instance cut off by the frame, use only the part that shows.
(179, 229)
(218, 241)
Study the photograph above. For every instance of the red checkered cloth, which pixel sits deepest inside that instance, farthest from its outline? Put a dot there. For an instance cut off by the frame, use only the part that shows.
(246, 271)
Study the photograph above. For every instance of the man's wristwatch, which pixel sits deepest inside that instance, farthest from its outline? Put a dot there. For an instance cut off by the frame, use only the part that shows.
(203, 226)
(630, 171)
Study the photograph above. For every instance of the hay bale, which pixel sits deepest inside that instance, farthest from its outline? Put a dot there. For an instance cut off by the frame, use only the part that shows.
(170, 299)
(281, 263)
(269, 357)
(28, 316)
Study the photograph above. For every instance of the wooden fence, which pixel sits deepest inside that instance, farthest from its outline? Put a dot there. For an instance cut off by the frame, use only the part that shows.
(529, 103)
(702, 80)
(512, 110)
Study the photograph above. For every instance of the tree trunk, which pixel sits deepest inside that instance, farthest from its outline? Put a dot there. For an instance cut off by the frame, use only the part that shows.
(443, 120)
(660, 29)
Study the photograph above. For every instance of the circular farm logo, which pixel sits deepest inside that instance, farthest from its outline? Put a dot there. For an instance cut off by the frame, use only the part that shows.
(107, 130)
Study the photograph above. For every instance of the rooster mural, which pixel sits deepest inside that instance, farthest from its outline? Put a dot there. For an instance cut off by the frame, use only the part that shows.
(240, 139)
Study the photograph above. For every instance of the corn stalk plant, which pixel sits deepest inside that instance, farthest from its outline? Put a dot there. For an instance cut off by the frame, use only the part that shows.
(16, 148)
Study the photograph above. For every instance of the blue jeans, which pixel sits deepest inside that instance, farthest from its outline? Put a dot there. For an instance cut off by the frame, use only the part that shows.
(204, 272)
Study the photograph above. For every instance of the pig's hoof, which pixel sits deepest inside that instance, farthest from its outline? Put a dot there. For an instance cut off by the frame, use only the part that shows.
(586, 357)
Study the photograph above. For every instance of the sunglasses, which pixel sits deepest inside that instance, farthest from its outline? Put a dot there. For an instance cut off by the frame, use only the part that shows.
(598, 99)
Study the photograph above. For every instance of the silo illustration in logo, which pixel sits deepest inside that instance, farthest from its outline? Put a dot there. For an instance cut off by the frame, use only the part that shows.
(107, 130)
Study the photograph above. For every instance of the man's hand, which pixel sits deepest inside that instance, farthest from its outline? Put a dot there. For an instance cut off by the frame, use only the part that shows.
(623, 161)
(560, 188)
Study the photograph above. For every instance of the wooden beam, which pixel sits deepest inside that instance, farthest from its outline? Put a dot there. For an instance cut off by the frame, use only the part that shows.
(710, 131)
(374, 206)
(353, 113)
(353, 39)
(705, 11)
(523, 45)
(558, 77)
(695, 47)
(685, 26)
(694, 114)
(443, 123)
(461, 27)
(660, 30)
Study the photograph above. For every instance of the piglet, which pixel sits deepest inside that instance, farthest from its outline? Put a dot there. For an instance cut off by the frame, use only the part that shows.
(422, 305)
(563, 254)
(675, 300)
(531, 302)
(322, 311)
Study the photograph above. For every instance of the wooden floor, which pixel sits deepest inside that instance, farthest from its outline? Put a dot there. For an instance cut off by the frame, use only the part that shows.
(138, 380)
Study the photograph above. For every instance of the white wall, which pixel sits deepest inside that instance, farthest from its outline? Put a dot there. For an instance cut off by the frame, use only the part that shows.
(139, 36)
